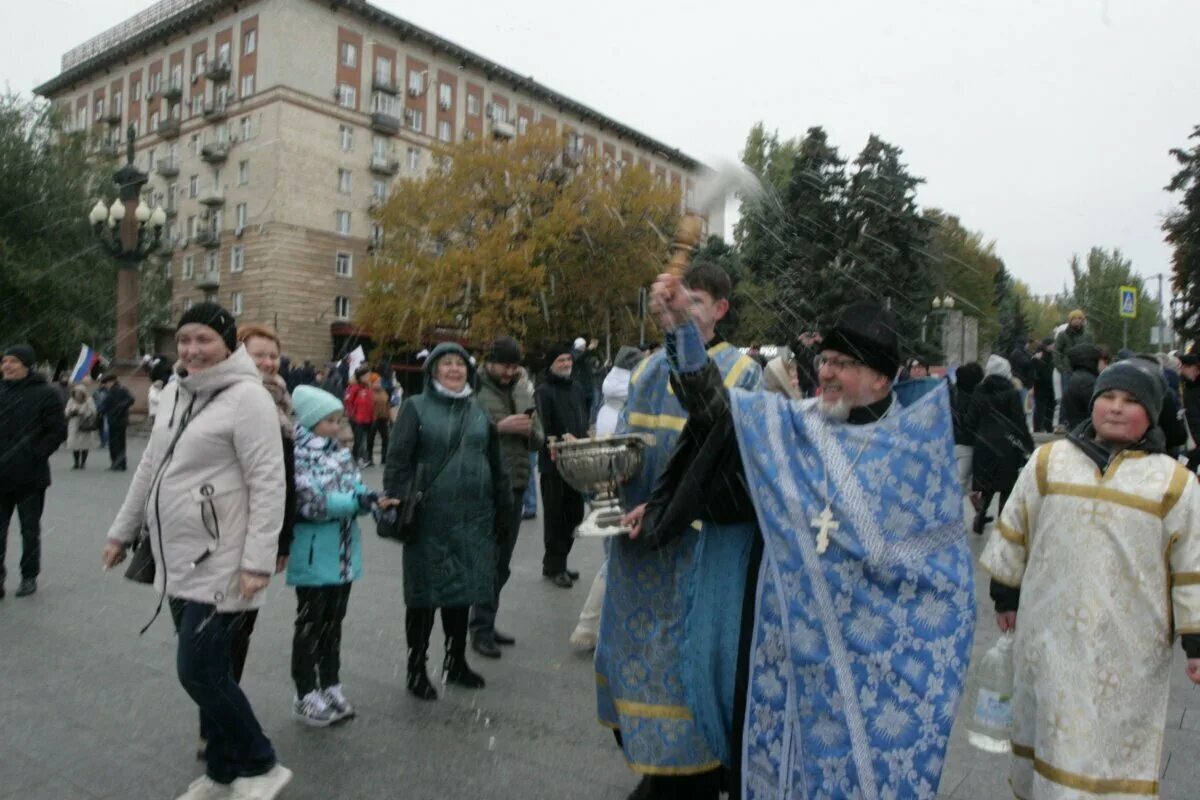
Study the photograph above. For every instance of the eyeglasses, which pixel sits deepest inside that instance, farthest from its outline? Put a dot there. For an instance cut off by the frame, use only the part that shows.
(838, 363)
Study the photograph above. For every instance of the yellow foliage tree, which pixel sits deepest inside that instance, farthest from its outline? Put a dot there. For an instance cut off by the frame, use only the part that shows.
(504, 238)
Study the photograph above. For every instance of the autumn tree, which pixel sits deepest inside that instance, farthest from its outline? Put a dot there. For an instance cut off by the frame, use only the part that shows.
(506, 237)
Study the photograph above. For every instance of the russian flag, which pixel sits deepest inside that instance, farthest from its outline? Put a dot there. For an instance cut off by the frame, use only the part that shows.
(83, 365)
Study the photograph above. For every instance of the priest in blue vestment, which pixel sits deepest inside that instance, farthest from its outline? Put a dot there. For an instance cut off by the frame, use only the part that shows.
(858, 610)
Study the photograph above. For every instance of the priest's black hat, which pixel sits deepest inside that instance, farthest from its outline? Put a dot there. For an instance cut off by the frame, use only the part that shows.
(866, 332)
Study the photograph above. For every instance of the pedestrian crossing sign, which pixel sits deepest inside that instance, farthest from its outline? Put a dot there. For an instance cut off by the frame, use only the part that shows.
(1129, 296)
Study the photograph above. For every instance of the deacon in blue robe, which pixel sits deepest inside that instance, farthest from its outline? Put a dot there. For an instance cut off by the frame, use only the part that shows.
(859, 609)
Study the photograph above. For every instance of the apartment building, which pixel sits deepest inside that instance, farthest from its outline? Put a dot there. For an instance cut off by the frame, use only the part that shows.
(271, 128)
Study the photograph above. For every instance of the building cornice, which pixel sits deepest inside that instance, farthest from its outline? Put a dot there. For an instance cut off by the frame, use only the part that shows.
(202, 12)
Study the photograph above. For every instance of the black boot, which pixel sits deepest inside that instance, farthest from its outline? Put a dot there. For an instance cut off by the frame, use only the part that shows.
(418, 682)
(454, 623)
(83, 459)
(457, 672)
(417, 625)
(75, 459)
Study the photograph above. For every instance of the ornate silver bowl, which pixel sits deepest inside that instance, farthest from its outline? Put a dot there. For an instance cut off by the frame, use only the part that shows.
(598, 466)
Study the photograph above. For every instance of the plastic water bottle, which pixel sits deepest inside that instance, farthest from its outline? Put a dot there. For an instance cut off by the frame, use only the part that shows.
(989, 726)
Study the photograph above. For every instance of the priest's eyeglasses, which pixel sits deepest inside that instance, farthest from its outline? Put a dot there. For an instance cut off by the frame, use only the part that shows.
(836, 363)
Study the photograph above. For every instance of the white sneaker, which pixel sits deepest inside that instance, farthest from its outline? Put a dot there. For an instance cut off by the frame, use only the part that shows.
(205, 788)
(262, 787)
(584, 640)
(342, 708)
(313, 710)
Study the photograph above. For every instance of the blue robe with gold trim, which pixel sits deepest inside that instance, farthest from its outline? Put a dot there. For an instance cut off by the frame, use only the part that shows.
(657, 626)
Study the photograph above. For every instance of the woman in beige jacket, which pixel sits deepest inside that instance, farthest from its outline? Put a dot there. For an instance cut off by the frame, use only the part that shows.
(209, 495)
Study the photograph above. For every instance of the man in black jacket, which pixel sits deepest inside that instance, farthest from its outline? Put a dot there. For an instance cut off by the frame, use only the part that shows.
(1190, 384)
(1044, 401)
(32, 426)
(115, 410)
(562, 407)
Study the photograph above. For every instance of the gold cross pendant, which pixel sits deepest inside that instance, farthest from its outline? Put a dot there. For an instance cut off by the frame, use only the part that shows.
(824, 523)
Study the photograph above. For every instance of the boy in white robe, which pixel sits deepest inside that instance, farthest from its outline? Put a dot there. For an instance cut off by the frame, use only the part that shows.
(1100, 543)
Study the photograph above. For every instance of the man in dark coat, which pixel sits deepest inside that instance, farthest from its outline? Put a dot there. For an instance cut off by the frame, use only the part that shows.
(562, 407)
(996, 420)
(32, 426)
(115, 410)
(1190, 384)
(1086, 362)
(1044, 401)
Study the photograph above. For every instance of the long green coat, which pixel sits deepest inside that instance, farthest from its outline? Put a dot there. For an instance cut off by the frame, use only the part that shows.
(451, 559)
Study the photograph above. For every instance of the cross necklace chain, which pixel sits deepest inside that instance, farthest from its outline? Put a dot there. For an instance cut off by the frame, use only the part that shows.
(825, 523)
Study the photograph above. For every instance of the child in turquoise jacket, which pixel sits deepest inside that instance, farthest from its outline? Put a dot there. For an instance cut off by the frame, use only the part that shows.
(326, 556)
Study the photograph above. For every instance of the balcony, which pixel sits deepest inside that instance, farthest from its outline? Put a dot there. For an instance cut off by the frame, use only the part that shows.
(167, 169)
(173, 91)
(171, 209)
(218, 71)
(215, 153)
(503, 130)
(207, 279)
(384, 165)
(215, 112)
(112, 116)
(207, 238)
(212, 197)
(105, 149)
(382, 83)
(168, 128)
(385, 123)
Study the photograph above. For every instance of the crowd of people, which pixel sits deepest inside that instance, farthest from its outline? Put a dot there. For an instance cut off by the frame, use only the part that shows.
(793, 606)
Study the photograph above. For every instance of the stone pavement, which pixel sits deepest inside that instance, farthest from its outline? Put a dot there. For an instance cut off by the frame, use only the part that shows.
(90, 710)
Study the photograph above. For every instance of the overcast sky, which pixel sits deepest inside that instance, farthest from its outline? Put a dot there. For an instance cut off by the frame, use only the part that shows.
(1043, 123)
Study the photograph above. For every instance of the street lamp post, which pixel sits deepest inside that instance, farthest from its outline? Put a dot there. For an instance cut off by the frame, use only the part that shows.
(129, 231)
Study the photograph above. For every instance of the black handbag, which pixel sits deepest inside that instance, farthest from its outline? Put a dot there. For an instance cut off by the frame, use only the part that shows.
(399, 524)
(141, 567)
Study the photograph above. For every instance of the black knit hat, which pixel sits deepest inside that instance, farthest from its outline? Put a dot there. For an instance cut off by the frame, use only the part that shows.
(1141, 378)
(505, 350)
(23, 353)
(867, 332)
(556, 350)
(215, 317)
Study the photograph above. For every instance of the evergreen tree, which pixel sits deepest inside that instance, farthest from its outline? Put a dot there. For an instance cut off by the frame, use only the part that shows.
(1183, 233)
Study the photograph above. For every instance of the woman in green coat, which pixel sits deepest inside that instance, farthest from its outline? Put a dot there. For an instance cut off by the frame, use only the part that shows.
(446, 442)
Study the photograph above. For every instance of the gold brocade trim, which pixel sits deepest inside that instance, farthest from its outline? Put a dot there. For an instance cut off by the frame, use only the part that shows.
(1179, 482)
(1114, 496)
(646, 769)
(735, 372)
(1009, 534)
(1043, 468)
(1084, 783)
(1185, 578)
(629, 708)
(656, 421)
(1170, 606)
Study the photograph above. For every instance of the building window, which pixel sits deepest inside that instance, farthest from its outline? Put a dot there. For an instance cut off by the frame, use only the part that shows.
(243, 173)
(239, 216)
(379, 146)
(177, 76)
(117, 102)
(414, 159)
(235, 303)
(156, 83)
(416, 83)
(347, 96)
(349, 54)
(199, 63)
(444, 133)
(379, 190)
(247, 85)
(341, 307)
(247, 128)
(194, 186)
(383, 103)
(100, 109)
(342, 222)
(136, 90)
(343, 265)
(445, 96)
(499, 113)
(237, 258)
(151, 159)
(383, 70)
(376, 235)
(472, 105)
(189, 262)
(137, 129)
(223, 54)
(154, 121)
(416, 120)
(195, 144)
(346, 135)
(249, 42)
(345, 181)
(197, 105)
(522, 125)
(212, 262)
(187, 304)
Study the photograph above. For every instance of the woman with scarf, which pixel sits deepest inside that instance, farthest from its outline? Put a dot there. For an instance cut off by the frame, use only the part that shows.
(445, 442)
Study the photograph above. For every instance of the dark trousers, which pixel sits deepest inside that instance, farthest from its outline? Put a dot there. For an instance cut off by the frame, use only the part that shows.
(985, 503)
(239, 649)
(1043, 411)
(116, 445)
(360, 440)
(317, 642)
(80, 458)
(483, 615)
(703, 786)
(379, 426)
(1193, 459)
(562, 514)
(237, 746)
(28, 505)
(418, 625)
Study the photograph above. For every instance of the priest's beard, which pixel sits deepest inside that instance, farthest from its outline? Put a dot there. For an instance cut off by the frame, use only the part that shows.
(838, 411)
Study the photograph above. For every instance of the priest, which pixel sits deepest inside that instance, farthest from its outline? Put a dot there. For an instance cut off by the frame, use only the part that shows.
(858, 611)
